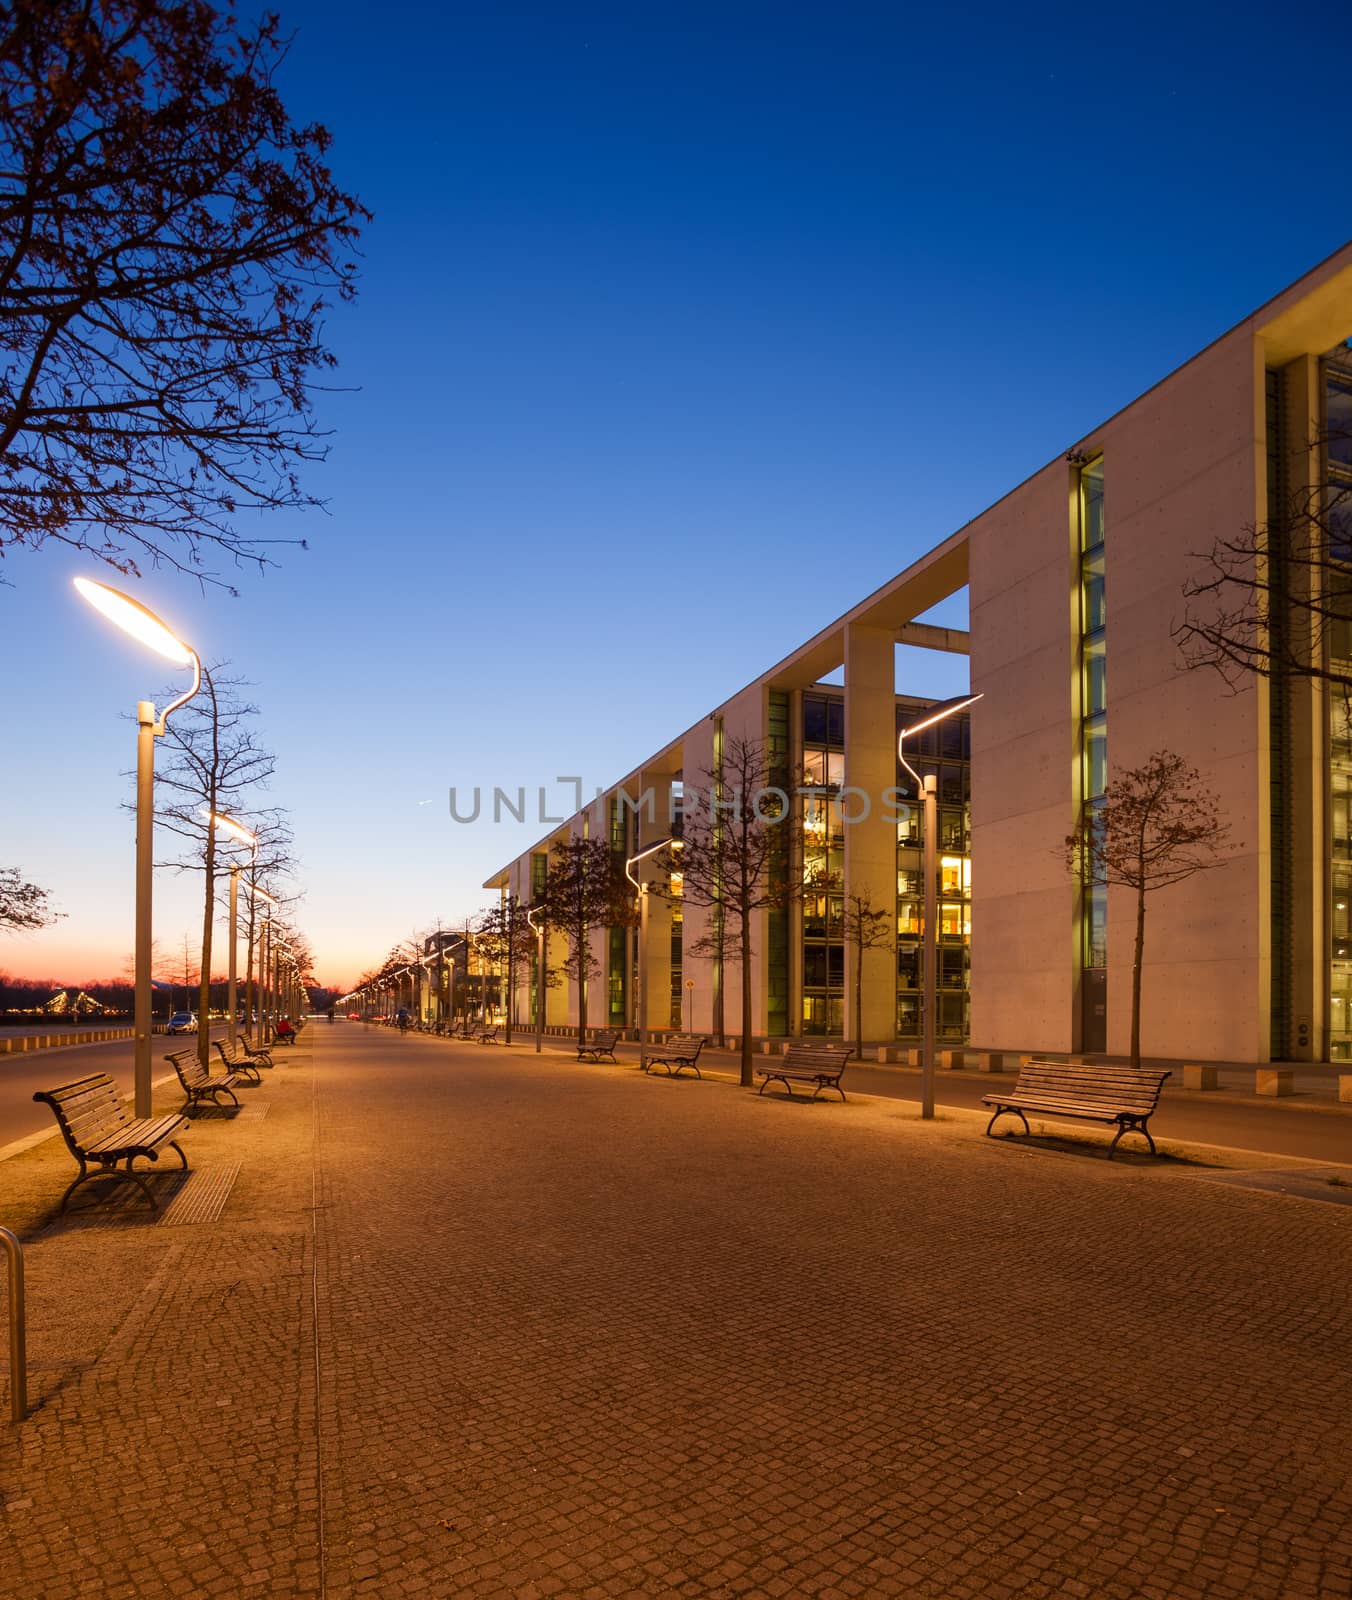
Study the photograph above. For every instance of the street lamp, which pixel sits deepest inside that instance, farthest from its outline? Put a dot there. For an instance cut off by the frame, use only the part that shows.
(241, 836)
(531, 913)
(642, 888)
(264, 939)
(133, 618)
(927, 789)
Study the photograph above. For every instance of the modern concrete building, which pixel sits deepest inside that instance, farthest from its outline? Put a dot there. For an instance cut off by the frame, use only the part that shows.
(1076, 582)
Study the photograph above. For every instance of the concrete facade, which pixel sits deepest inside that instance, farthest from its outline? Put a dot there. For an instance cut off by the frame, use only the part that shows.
(1184, 465)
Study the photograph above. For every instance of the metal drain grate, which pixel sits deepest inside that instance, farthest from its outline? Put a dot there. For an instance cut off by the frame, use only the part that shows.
(202, 1198)
(253, 1113)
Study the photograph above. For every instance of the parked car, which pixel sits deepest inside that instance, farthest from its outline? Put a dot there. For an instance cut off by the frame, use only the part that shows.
(182, 1022)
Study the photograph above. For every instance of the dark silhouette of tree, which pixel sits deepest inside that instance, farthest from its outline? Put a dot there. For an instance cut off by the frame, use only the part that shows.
(1156, 825)
(212, 765)
(1275, 598)
(867, 927)
(24, 906)
(585, 889)
(168, 238)
(506, 939)
(733, 862)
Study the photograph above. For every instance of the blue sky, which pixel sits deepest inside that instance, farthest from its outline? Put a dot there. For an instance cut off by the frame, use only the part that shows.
(680, 329)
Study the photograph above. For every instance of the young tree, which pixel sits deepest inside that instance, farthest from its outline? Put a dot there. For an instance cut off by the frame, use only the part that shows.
(1275, 598)
(273, 862)
(188, 971)
(506, 939)
(733, 862)
(867, 927)
(23, 906)
(1157, 825)
(167, 240)
(585, 889)
(213, 765)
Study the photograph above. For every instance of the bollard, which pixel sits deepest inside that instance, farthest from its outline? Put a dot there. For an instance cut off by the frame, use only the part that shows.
(1273, 1081)
(18, 1361)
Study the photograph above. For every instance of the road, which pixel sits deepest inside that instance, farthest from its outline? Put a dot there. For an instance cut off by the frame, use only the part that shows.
(22, 1075)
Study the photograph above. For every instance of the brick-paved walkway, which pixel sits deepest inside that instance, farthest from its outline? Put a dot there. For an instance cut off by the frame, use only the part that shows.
(475, 1323)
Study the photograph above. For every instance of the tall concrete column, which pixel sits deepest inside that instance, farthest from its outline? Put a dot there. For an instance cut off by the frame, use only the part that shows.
(870, 832)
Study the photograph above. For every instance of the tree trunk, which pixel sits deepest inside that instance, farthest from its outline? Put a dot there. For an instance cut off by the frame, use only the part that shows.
(859, 999)
(1136, 979)
(511, 975)
(747, 1076)
(204, 976)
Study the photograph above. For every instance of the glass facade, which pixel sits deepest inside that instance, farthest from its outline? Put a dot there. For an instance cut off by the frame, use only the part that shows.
(1093, 670)
(779, 756)
(944, 750)
(1336, 432)
(823, 773)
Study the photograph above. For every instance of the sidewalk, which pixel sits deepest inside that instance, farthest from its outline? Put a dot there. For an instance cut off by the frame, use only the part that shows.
(476, 1323)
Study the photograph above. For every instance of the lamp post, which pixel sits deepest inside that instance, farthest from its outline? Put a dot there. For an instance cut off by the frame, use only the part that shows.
(133, 618)
(642, 889)
(242, 836)
(532, 912)
(264, 939)
(927, 789)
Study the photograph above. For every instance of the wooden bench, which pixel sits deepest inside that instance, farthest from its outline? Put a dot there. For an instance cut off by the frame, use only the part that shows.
(260, 1055)
(198, 1083)
(239, 1063)
(100, 1132)
(680, 1051)
(1109, 1094)
(818, 1064)
(603, 1044)
(483, 1034)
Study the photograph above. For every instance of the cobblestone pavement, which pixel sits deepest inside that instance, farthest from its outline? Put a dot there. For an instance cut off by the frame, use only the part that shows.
(477, 1323)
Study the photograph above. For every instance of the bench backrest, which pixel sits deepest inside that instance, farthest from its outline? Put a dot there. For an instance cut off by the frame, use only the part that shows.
(86, 1110)
(816, 1057)
(190, 1070)
(698, 1040)
(1101, 1087)
(605, 1036)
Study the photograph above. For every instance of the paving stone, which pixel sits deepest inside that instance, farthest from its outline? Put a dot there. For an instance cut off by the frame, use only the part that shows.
(473, 1323)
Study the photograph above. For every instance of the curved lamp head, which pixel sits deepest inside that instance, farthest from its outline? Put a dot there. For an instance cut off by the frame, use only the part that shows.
(228, 825)
(145, 627)
(935, 713)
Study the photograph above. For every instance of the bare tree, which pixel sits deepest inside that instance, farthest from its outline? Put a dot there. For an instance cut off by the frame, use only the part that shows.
(866, 927)
(585, 889)
(167, 240)
(188, 970)
(1275, 598)
(213, 764)
(733, 862)
(506, 938)
(273, 862)
(23, 906)
(1156, 825)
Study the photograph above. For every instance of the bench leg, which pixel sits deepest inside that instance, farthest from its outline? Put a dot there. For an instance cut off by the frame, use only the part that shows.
(1001, 1111)
(1131, 1125)
(116, 1172)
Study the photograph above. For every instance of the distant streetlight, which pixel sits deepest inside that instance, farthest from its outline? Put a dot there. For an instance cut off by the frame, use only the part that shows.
(926, 787)
(258, 1023)
(244, 837)
(144, 626)
(642, 888)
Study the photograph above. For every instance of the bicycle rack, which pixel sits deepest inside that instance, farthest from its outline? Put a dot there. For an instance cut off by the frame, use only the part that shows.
(18, 1365)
